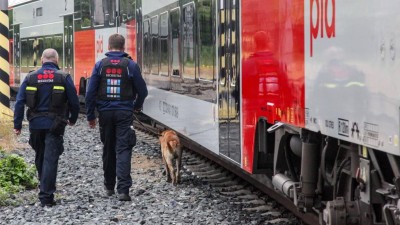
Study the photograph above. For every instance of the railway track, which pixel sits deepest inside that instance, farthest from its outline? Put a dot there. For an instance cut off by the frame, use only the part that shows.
(237, 191)
(237, 187)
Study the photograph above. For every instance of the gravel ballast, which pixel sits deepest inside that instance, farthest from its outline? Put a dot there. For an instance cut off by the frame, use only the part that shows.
(81, 198)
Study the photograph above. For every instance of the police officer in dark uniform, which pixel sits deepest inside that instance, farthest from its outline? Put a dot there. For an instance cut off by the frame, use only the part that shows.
(116, 89)
(52, 102)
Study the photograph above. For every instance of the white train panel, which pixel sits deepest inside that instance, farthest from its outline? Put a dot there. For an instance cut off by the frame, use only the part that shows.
(194, 118)
(352, 61)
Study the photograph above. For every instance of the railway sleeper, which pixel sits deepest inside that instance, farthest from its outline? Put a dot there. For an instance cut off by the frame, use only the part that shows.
(248, 197)
(225, 184)
(199, 167)
(211, 173)
(261, 208)
(231, 188)
(278, 221)
(272, 213)
(219, 179)
(238, 192)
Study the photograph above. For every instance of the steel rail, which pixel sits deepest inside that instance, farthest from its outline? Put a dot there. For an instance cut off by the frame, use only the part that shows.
(308, 218)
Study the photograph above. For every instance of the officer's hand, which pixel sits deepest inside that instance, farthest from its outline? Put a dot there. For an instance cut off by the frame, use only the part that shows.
(92, 123)
(17, 131)
(70, 124)
(139, 110)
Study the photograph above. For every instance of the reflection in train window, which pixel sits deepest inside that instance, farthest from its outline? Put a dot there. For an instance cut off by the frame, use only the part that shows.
(17, 46)
(155, 50)
(109, 11)
(164, 53)
(189, 69)
(48, 42)
(146, 46)
(24, 54)
(33, 45)
(40, 48)
(207, 48)
(175, 34)
(85, 14)
(39, 11)
(10, 46)
(127, 9)
(58, 46)
(98, 14)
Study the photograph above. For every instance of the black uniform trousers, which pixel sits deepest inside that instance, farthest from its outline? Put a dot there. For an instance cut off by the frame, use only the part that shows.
(118, 140)
(48, 148)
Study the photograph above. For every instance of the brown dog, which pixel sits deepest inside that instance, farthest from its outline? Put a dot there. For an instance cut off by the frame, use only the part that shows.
(170, 150)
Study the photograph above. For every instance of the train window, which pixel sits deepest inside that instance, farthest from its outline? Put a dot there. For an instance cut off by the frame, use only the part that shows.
(146, 46)
(24, 55)
(48, 42)
(40, 49)
(175, 35)
(85, 14)
(98, 14)
(17, 47)
(109, 11)
(33, 52)
(58, 46)
(164, 53)
(189, 65)
(207, 48)
(155, 50)
(128, 8)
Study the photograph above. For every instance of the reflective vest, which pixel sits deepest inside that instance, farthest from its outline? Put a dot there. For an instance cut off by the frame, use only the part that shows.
(115, 83)
(58, 101)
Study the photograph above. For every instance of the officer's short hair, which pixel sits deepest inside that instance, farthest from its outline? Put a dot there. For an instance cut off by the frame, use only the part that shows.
(116, 41)
(50, 55)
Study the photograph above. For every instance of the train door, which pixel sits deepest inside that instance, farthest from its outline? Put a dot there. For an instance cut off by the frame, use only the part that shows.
(17, 55)
(68, 45)
(228, 86)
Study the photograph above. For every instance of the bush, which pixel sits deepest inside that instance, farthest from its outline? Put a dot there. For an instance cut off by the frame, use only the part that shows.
(15, 174)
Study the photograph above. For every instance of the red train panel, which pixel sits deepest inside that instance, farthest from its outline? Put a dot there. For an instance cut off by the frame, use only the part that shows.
(272, 66)
(84, 55)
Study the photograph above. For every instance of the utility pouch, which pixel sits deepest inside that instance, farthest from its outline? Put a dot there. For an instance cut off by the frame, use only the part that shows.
(58, 127)
(132, 138)
(31, 96)
(58, 97)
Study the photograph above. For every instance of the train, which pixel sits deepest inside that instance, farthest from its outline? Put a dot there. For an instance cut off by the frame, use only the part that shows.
(302, 95)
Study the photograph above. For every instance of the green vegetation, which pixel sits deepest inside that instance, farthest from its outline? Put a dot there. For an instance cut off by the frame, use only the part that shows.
(15, 175)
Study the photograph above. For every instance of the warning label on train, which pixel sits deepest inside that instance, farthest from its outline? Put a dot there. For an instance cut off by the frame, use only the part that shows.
(371, 134)
(343, 127)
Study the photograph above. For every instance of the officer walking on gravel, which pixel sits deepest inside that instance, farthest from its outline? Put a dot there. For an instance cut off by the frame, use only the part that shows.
(116, 89)
(52, 102)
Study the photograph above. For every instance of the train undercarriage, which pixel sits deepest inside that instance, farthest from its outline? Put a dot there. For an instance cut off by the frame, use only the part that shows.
(342, 182)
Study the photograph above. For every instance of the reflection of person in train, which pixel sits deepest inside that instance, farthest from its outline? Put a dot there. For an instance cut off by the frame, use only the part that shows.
(341, 90)
(262, 69)
(340, 87)
(35, 48)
